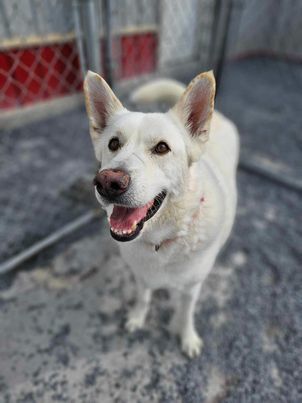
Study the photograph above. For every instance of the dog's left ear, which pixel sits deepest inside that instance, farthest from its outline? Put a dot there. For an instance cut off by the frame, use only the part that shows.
(195, 109)
(101, 104)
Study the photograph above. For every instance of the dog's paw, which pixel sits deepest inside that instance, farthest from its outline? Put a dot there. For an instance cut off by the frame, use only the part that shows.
(134, 323)
(191, 344)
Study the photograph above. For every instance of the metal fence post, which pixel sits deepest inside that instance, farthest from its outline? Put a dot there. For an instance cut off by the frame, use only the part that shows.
(86, 19)
(79, 35)
(220, 31)
(108, 57)
(92, 36)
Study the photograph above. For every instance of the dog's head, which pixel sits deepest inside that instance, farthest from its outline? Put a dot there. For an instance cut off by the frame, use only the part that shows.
(145, 157)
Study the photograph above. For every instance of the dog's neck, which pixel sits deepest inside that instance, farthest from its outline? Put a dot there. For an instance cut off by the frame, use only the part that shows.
(169, 241)
(193, 216)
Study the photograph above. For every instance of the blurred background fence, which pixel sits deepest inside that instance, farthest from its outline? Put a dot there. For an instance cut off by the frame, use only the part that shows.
(46, 47)
(43, 42)
(39, 56)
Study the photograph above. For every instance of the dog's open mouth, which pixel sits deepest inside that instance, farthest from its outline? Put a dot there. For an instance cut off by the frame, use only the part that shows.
(127, 222)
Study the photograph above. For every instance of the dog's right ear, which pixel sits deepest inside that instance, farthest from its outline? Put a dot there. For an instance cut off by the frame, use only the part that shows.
(101, 104)
(195, 109)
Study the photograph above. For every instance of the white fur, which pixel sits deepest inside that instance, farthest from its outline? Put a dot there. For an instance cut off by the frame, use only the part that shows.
(164, 90)
(190, 232)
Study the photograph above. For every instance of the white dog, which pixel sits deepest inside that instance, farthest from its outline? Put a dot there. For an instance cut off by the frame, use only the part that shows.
(168, 185)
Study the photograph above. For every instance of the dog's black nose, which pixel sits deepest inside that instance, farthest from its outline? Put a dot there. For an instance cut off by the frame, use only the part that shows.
(111, 182)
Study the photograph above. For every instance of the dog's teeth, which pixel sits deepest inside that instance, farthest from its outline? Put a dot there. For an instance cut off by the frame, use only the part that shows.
(124, 231)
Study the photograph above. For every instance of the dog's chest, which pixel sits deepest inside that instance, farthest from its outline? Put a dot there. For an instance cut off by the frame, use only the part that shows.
(154, 268)
(185, 257)
(170, 265)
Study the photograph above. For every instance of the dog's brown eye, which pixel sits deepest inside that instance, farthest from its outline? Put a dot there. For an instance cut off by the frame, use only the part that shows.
(114, 144)
(161, 148)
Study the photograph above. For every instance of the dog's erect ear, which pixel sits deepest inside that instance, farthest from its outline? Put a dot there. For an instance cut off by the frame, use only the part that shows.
(196, 105)
(101, 103)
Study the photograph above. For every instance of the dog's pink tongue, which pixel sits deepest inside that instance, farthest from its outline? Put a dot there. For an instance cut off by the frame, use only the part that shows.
(123, 218)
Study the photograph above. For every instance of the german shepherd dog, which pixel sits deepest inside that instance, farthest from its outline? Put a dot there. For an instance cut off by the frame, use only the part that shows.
(168, 185)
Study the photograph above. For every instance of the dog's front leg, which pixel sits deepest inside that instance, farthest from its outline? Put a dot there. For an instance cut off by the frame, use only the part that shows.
(183, 322)
(137, 315)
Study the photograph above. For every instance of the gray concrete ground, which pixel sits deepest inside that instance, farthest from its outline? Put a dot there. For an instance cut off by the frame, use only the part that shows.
(263, 97)
(39, 163)
(62, 314)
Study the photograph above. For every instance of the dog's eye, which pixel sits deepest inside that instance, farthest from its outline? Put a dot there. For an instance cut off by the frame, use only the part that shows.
(114, 144)
(161, 148)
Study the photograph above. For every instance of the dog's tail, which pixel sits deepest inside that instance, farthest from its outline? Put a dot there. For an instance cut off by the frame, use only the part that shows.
(158, 90)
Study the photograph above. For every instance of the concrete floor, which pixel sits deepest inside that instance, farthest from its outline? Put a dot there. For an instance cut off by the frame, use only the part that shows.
(62, 314)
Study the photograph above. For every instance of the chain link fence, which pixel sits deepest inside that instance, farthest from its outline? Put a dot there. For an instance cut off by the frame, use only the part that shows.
(39, 58)
(45, 48)
(159, 38)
